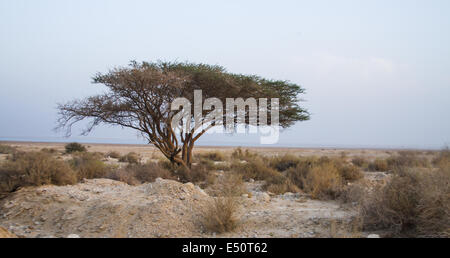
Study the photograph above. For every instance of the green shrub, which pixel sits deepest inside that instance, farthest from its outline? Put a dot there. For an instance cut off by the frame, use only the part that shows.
(75, 147)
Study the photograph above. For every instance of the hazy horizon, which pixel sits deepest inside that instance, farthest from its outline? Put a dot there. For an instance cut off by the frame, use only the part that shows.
(376, 73)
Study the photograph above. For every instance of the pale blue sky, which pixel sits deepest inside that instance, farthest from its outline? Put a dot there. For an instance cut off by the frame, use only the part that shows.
(377, 73)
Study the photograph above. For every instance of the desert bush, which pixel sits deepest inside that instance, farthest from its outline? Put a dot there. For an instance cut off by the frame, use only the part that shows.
(122, 175)
(132, 158)
(239, 154)
(88, 165)
(379, 165)
(254, 168)
(113, 154)
(407, 159)
(323, 182)
(134, 174)
(6, 149)
(443, 158)
(75, 147)
(228, 184)
(49, 150)
(284, 162)
(323, 177)
(349, 172)
(197, 174)
(220, 215)
(360, 162)
(149, 172)
(280, 184)
(34, 169)
(214, 156)
(414, 203)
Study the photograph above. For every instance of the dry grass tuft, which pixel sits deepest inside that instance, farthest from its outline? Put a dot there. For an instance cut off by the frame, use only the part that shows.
(220, 216)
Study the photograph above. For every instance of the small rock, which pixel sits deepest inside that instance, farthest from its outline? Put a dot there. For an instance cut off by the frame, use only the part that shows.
(265, 197)
(251, 180)
(245, 195)
(373, 236)
(73, 236)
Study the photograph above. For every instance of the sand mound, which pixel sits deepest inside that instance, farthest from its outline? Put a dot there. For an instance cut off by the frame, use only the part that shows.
(106, 208)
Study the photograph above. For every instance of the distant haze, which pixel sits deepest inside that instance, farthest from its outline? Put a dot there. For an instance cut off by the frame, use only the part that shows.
(376, 73)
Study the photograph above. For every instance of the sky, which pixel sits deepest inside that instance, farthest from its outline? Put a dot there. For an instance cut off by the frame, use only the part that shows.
(376, 73)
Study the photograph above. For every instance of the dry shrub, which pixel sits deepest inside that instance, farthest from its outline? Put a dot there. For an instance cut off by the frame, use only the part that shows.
(149, 172)
(134, 174)
(416, 202)
(49, 150)
(75, 147)
(113, 154)
(34, 169)
(323, 181)
(443, 158)
(323, 177)
(349, 172)
(228, 184)
(360, 162)
(88, 165)
(132, 158)
(6, 149)
(123, 175)
(254, 168)
(239, 154)
(379, 165)
(407, 159)
(197, 174)
(285, 162)
(280, 184)
(214, 156)
(220, 215)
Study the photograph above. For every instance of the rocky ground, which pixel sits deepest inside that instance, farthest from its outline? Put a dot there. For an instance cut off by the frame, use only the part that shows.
(165, 208)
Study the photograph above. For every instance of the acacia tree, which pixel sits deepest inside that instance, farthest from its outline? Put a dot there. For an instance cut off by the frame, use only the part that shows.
(139, 97)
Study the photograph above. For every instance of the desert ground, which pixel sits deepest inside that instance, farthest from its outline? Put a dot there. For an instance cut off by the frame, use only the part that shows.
(230, 192)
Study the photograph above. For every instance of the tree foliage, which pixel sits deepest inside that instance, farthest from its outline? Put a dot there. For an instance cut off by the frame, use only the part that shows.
(139, 96)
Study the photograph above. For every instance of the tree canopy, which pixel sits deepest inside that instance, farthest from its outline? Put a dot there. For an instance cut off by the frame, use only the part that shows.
(139, 96)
